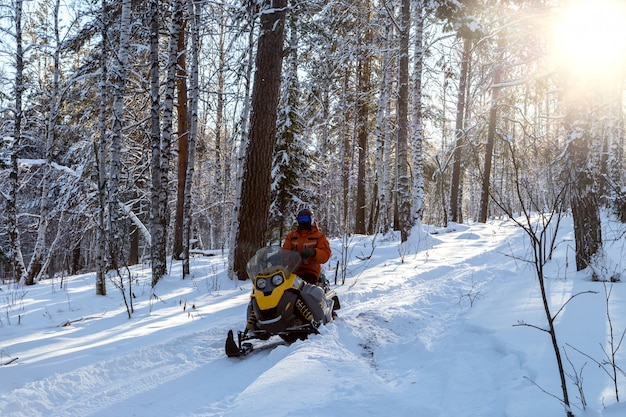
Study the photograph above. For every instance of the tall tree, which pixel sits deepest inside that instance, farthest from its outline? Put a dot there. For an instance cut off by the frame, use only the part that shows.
(459, 18)
(346, 148)
(251, 15)
(157, 232)
(364, 69)
(37, 259)
(292, 161)
(583, 181)
(120, 70)
(183, 144)
(383, 135)
(403, 196)
(194, 19)
(456, 212)
(491, 135)
(221, 174)
(176, 23)
(100, 152)
(19, 268)
(417, 137)
(257, 164)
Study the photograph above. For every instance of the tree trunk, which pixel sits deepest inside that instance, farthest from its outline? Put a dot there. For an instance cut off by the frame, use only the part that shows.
(417, 141)
(183, 145)
(19, 269)
(133, 253)
(583, 181)
(100, 151)
(241, 155)
(119, 87)
(456, 206)
(159, 251)
(363, 91)
(35, 266)
(587, 226)
(221, 175)
(193, 130)
(491, 135)
(404, 181)
(346, 154)
(382, 139)
(255, 188)
(156, 222)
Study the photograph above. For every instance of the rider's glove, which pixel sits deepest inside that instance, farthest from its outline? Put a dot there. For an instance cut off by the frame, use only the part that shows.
(307, 253)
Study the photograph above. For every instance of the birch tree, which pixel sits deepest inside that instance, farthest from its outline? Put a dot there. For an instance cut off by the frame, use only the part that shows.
(37, 259)
(100, 152)
(384, 135)
(417, 138)
(17, 259)
(119, 73)
(156, 215)
(157, 232)
(222, 156)
(403, 176)
(194, 20)
(161, 145)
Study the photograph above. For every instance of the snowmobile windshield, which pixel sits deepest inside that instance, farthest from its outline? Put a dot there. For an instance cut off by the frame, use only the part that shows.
(270, 257)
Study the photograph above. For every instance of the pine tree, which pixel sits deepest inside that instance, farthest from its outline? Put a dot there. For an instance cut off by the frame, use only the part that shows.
(292, 167)
(255, 188)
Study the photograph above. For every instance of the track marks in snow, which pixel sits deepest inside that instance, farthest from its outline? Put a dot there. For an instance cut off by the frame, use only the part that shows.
(419, 306)
(98, 386)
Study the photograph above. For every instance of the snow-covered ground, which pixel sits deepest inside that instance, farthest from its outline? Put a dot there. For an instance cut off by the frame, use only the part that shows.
(447, 326)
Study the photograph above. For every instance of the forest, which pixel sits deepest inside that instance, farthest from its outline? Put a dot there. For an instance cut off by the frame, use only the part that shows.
(139, 131)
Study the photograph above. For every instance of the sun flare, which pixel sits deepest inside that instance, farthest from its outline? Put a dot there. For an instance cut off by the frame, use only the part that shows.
(590, 37)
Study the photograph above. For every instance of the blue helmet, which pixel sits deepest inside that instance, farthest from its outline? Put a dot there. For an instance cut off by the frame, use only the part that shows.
(305, 219)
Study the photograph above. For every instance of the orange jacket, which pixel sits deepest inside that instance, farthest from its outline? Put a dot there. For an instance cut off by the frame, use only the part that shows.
(300, 239)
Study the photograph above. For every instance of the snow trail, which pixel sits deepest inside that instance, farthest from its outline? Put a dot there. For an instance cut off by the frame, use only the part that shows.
(425, 329)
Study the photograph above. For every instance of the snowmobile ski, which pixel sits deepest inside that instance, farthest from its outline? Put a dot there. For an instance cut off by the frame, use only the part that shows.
(234, 349)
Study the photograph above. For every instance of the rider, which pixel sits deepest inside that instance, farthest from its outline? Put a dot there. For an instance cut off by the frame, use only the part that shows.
(312, 244)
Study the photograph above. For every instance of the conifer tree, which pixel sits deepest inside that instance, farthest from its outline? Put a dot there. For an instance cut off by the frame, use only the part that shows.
(254, 195)
(292, 165)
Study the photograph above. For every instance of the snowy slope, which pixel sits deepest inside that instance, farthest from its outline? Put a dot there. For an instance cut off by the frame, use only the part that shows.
(438, 327)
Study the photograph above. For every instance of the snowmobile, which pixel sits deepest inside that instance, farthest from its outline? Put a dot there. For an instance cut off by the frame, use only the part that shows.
(281, 304)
